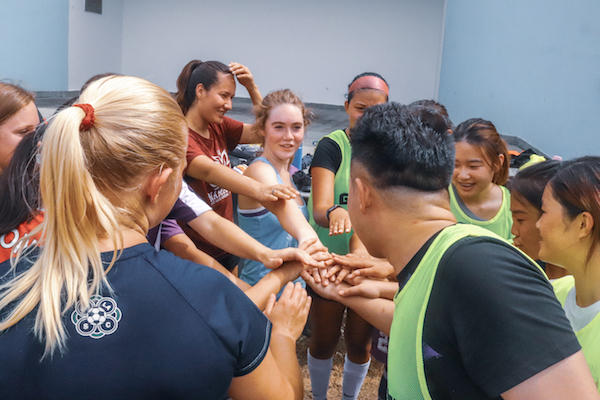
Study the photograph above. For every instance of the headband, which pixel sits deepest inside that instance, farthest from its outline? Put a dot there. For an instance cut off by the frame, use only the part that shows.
(369, 82)
(88, 120)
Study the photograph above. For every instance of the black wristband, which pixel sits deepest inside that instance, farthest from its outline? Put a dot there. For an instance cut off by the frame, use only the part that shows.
(331, 209)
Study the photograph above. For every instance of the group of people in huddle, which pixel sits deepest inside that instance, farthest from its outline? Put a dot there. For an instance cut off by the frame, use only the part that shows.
(120, 272)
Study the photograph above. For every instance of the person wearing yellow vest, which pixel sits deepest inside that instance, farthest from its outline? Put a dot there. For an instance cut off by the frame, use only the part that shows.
(570, 234)
(477, 196)
(475, 318)
(330, 171)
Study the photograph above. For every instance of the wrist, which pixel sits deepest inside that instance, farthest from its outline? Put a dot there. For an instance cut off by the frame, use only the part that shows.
(331, 209)
(283, 334)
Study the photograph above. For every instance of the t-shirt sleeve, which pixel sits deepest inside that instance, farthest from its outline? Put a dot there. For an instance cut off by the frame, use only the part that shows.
(241, 327)
(193, 149)
(232, 130)
(328, 155)
(188, 206)
(500, 313)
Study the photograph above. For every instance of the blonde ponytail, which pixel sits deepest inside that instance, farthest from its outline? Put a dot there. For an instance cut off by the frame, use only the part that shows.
(89, 182)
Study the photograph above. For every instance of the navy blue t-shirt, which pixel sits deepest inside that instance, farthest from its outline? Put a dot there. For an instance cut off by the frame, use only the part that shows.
(170, 329)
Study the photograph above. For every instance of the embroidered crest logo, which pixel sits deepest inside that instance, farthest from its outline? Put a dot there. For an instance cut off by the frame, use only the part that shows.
(99, 319)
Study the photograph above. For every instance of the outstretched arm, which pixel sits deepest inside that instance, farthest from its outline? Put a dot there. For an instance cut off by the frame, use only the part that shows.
(205, 169)
(228, 236)
(287, 211)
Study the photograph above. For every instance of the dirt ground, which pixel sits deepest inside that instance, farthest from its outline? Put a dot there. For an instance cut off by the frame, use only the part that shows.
(369, 388)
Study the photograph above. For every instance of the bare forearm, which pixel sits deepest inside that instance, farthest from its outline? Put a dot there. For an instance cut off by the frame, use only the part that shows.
(182, 246)
(284, 352)
(378, 312)
(292, 220)
(255, 95)
(203, 168)
(273, 282)
(228, 236)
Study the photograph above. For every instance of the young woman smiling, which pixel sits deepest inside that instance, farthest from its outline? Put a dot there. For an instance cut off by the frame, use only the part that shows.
(570, 232)
(481, 168)
(205, 92)
(281, 119)
(18, 117)
(526, 190)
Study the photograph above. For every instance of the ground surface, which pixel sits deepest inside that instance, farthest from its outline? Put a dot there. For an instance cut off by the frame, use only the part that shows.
(369, 389)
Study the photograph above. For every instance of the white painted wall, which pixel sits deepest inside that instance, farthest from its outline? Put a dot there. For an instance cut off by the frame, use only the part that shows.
(313, 47)
(95, 41)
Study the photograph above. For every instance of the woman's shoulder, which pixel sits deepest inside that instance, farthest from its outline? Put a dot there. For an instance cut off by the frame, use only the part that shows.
(262, 171)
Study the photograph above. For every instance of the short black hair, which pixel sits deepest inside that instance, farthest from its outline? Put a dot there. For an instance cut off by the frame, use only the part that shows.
(434, 116)
(399, 149)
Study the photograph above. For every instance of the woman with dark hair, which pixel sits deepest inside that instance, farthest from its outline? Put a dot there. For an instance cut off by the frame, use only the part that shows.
(204, 93)
(18, 117)
(330, 171)
(526, 190)
(570, 232)
(481, 168)
(19, 195)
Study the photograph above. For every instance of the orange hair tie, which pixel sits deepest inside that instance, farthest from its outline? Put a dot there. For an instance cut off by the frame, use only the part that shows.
(89, 119)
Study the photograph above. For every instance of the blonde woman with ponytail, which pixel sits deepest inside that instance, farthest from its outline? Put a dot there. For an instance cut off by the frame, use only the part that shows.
(95, 311)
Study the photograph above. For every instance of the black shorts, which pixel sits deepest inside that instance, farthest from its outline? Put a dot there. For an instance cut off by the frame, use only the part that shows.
(229, 261)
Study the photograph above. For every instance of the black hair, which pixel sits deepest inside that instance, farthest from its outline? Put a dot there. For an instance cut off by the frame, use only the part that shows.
(529, 183)
(431, 103)
(432, 115)
(350, 95)
(20, 184)
(194, 73)
(399, 149)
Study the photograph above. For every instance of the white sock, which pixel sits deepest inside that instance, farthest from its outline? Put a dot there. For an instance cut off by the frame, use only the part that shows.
(354, 376)
(320, 371)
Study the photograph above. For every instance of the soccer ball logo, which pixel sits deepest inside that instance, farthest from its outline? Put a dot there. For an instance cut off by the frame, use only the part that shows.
(99, 319)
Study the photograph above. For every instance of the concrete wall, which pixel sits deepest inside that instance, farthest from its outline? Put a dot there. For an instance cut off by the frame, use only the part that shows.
(313, 47)
(95, 41)
(531, 67)
(33, 43)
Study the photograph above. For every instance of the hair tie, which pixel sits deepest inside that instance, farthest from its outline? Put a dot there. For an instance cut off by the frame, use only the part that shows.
(369, 82)
(88, 120)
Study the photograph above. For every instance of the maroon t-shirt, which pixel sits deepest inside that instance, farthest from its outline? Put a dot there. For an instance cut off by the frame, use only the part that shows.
(223, 138)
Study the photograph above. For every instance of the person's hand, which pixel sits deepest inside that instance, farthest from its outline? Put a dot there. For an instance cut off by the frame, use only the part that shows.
(339, 222)
(324, 288)
(365, 287)
(364, 266)
(337, 273)
(289, 314)
(317, 251)
(275, 192)
(243, 75)
(274, 258)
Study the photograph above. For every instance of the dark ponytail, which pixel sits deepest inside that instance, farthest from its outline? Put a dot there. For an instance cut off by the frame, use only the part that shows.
(194, 73)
